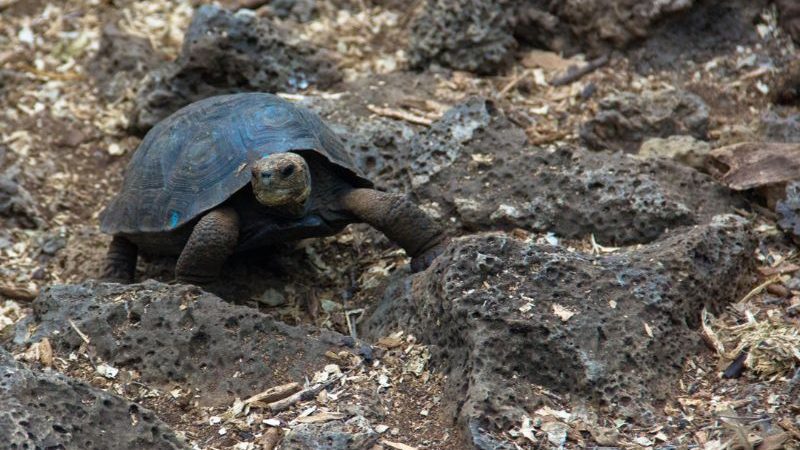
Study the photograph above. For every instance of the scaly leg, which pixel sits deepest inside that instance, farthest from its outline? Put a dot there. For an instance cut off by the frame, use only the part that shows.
(401, 221)
(212, 241)
(120, 262)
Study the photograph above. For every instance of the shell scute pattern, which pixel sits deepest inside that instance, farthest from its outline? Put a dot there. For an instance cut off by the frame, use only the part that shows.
(192, 161)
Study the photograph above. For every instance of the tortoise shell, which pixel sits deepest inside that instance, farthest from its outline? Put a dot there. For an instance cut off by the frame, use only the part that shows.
(198, 157)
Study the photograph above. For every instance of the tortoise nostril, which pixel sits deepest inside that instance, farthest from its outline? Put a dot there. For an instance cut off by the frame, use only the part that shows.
(288, 170)
(266, 175)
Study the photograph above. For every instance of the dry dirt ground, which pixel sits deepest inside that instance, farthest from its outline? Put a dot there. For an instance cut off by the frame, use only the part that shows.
(71, 146)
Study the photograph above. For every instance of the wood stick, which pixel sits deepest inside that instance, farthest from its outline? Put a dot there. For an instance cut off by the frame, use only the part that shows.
(274, 394)
(576, 74)
(306, 394)
(400, 114)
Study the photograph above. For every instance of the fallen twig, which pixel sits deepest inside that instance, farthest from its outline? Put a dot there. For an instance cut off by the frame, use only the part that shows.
(274, 394)
(758, 289)
(16, 293)
(575, 74)
(511, 84)
(80, 333)
(305, 394)
(397, 445)
(400, 114)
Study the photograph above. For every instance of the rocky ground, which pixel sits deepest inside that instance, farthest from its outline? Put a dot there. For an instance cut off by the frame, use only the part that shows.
(621, 274)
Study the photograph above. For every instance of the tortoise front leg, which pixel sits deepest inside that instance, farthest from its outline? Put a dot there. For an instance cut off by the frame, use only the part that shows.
(119, 265)
(212, 241)
(400, 220)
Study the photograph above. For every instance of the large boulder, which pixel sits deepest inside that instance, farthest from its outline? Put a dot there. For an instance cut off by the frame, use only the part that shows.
(122, 60)
(179, 334)
(471, 35)
(475, 166)
(45, 409)
(17, 206)
(225, 53)
(506, 315)
(626, 119)
(483, 36)
(789, 12)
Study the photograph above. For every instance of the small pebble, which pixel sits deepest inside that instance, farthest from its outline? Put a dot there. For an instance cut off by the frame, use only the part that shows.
(115, 150)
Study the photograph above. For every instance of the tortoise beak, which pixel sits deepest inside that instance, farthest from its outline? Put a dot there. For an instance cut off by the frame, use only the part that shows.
(264, 176)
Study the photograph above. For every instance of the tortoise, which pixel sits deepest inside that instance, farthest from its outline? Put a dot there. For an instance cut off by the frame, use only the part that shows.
(239, 173)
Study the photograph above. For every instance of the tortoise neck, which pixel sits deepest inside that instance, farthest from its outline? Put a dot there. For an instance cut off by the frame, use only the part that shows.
(293, 210)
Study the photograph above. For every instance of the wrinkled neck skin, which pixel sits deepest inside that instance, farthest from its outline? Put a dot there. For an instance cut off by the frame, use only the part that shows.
(293, 209)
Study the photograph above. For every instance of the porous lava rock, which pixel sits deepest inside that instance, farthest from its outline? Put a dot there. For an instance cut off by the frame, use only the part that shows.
(475, 166)
(482, 36)
(300, 10)
(224, 53)
(780, 127)
(353, 434)
(179, 334)
(122, 60)
(786, 87)
(626, 119)
(696, 34)
(683, 149)
(789, 14)
(788, 210)
(505, 315)
(476, 171)
(17, 207)
(47, 410)
(471, 35)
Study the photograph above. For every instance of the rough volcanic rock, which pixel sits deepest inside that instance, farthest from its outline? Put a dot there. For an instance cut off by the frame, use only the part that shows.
(47, 410)
(17, 207)
(777, 127)
(789, 12)
(300, 10)
(683, 149)
(600, 24)
(224, 53)
(708, 29)
(786, 87)
(475, 166)
(381, 149)
(123, 59)
(354, 434)
(626, 119)
(471, 35)
(17, 204)
(613, 330)
(178, 333)
(788, 210)
(483, 36)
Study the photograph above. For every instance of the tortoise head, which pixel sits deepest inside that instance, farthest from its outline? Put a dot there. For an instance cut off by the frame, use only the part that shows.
(282, 181)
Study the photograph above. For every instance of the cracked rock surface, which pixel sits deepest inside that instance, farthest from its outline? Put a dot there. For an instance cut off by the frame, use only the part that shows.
(173, 334)
(45, 409)
(476, 166)
(627, 119)
(224, 53)
(505, 314)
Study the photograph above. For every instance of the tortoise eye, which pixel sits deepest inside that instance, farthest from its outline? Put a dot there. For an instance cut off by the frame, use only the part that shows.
(288, 170)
